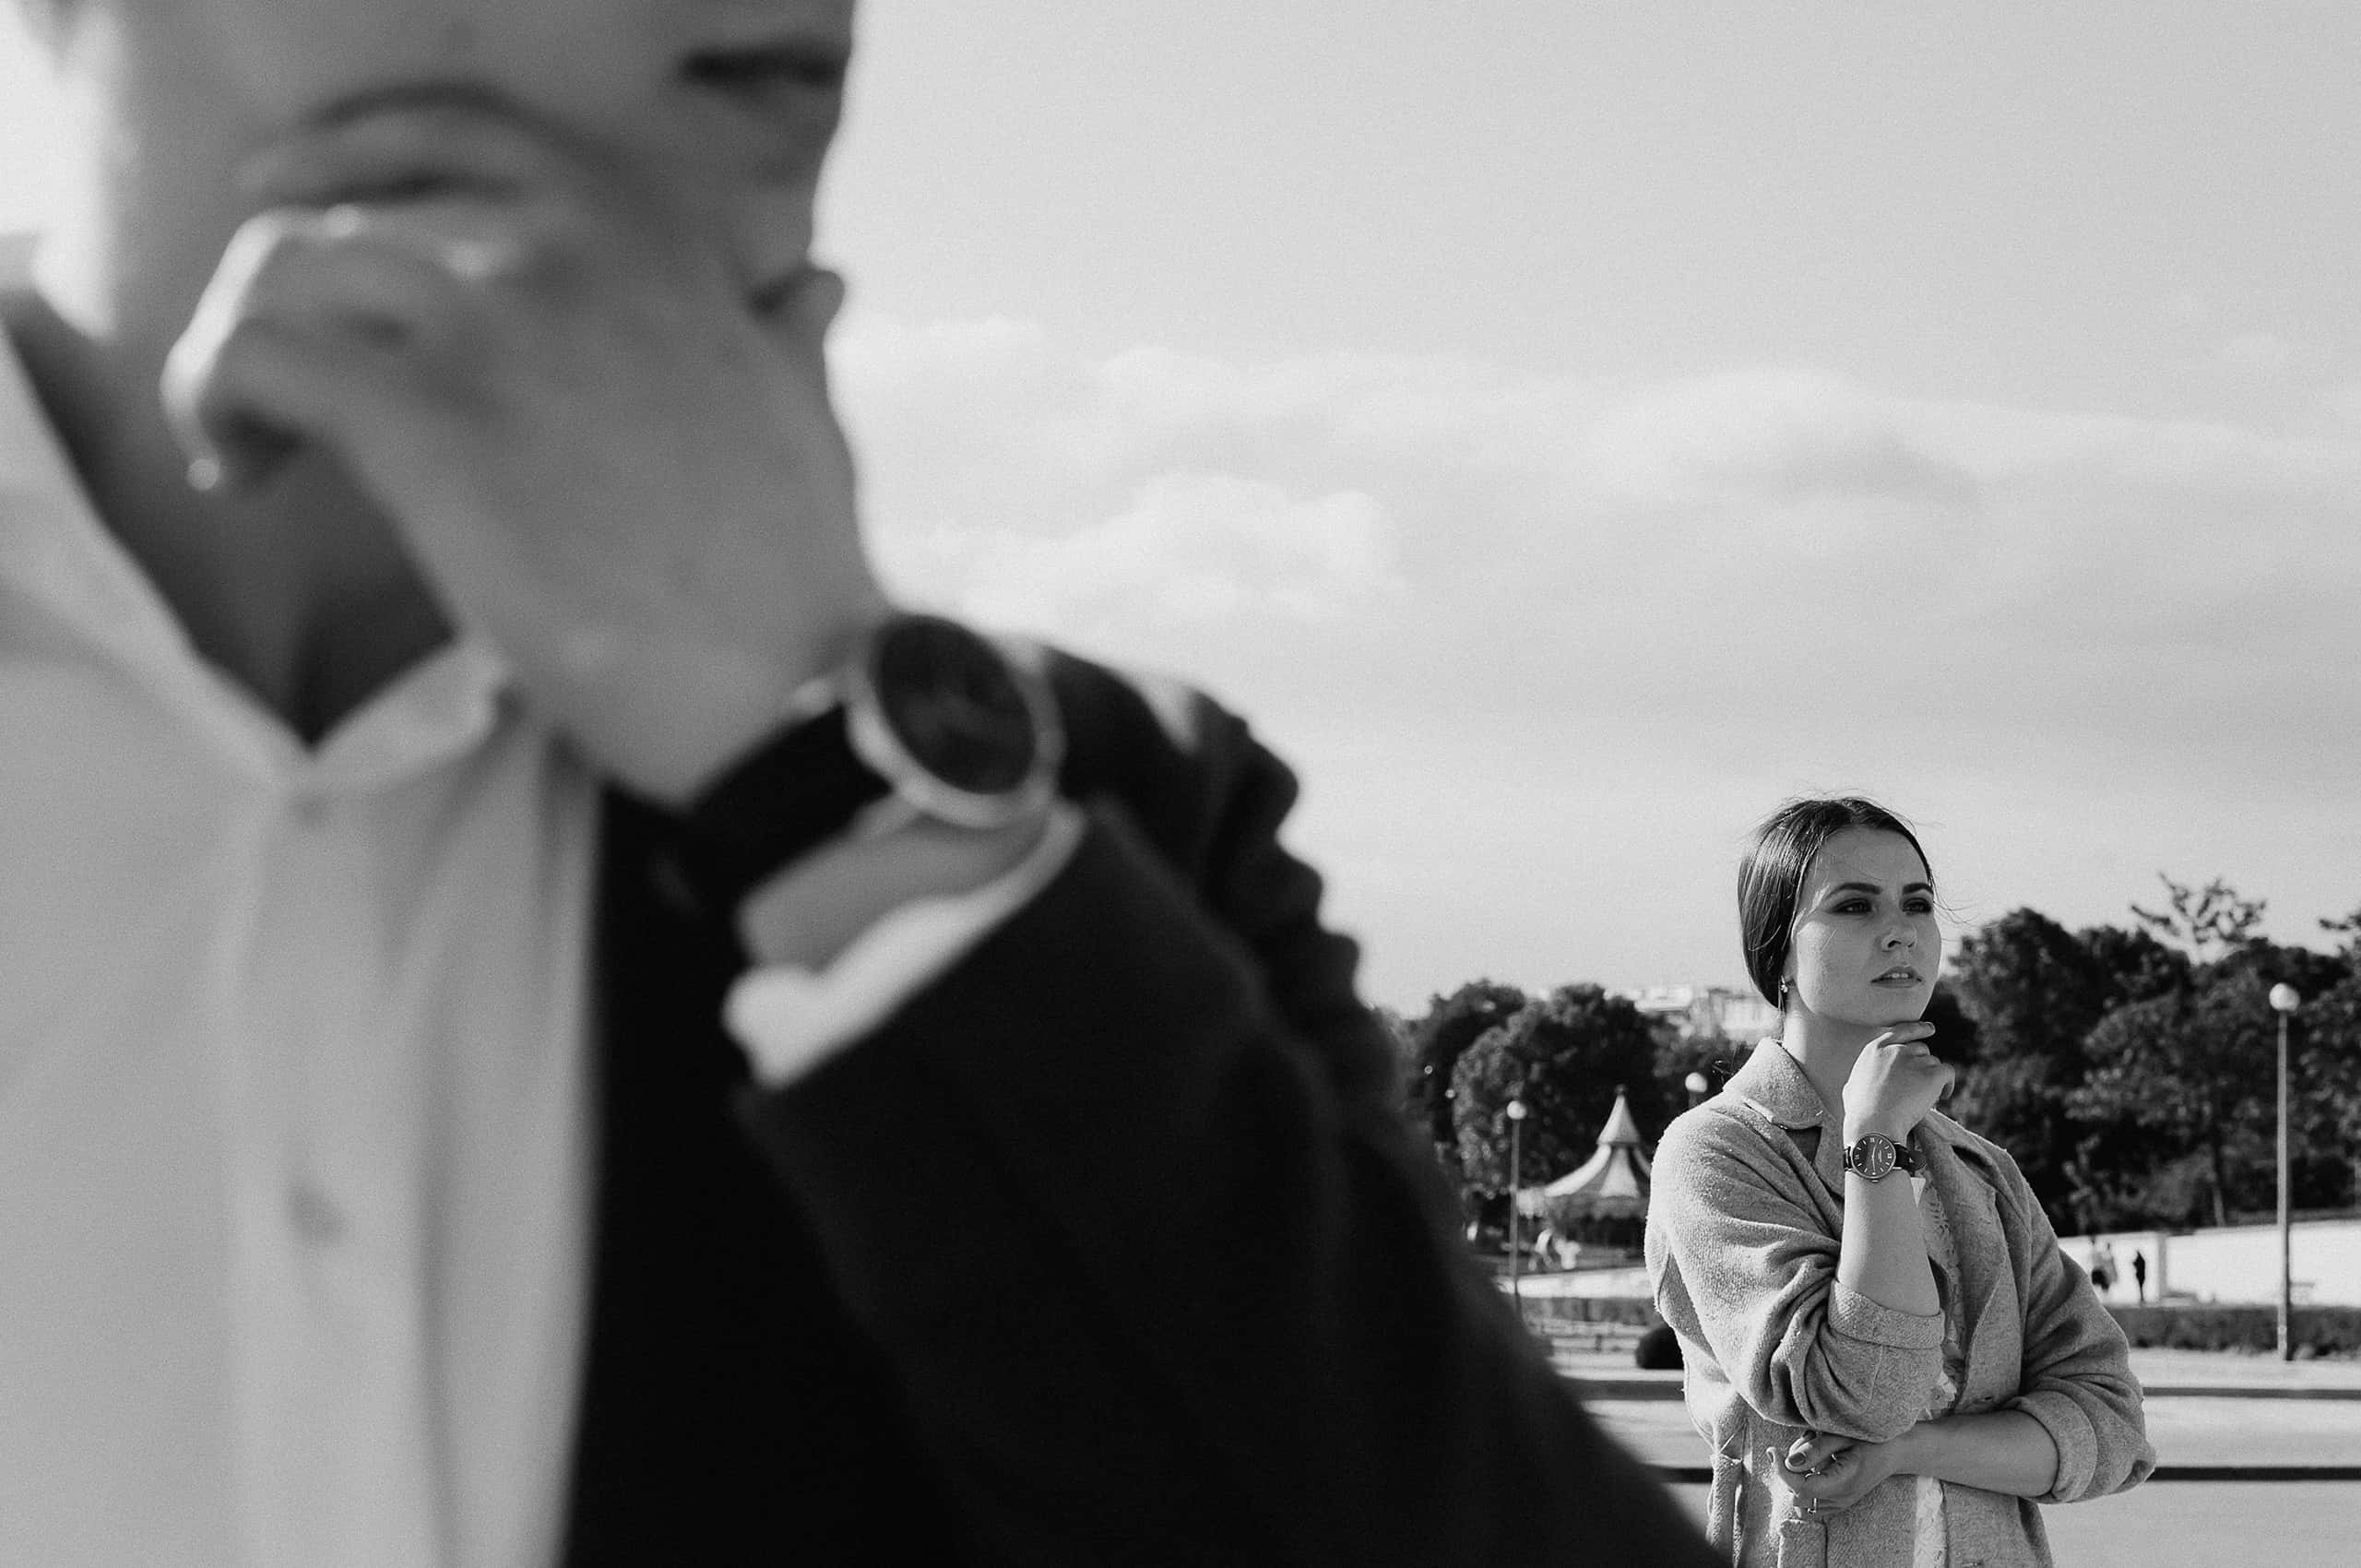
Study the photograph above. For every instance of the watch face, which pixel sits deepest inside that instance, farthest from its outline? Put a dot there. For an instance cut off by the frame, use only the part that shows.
(1872, 1158)
(953, 703)
(958, 728)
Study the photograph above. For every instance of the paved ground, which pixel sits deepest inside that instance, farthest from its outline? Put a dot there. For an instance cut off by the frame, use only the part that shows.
(2206, 1411)
(2196, 1524)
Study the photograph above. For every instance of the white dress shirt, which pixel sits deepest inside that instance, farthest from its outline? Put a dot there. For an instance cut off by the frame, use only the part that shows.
(296, 1162)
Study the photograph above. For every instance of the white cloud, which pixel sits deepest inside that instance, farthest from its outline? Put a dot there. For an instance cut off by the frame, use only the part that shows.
(1748, 436)
(1189, 548)
(2258, 353)
(1770, 562)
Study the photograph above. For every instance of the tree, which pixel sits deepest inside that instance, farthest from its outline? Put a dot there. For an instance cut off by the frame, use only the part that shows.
(1398, 1035)
(1958, 1038)
(2200, 1067)
(1451, 1023)
(1565, 1056)
(2132, 966)
(2327, 1071)
(2034, 992)
(1677, 1055)
(2117, 1171)
(2349, 928)
(2208, 921)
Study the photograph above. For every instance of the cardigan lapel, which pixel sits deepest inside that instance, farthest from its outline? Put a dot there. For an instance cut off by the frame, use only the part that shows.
(1988, 1308)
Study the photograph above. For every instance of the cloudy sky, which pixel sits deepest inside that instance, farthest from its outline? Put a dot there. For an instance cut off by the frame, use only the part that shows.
(1569, 428)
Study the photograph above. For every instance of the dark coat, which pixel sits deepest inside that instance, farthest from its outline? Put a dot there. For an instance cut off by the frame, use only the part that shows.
(1108, 1247)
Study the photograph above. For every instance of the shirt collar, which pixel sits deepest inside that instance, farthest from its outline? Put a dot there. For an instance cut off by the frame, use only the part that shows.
(55, 552)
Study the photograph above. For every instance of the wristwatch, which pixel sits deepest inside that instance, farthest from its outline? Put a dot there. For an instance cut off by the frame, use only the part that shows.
(1873, 1156)
(926, 713)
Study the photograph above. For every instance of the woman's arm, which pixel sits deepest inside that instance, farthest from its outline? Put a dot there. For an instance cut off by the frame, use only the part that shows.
(1893, 1084)
(1746, 1270)
(1998, 1450)
(2004, 1451)
(1884, 1253)
(2077, 1381)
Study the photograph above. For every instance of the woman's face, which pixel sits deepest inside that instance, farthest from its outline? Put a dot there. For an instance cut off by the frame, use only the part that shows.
(1866, 946)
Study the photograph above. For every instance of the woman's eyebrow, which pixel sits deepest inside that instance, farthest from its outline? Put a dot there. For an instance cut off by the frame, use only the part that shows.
(1868, 887)
(1873, 889)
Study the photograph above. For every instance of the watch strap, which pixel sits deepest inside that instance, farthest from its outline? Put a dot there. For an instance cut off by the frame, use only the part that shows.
(800, 788)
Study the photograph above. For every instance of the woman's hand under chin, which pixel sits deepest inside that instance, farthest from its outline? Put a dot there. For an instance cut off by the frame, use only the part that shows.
(1894, 1082)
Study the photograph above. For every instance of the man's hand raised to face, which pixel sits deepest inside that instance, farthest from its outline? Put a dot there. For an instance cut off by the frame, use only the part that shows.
(609, 450)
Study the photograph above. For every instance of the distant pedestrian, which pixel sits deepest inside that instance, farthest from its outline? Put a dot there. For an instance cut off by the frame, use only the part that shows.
(2102, 1268)
(2139, 1273)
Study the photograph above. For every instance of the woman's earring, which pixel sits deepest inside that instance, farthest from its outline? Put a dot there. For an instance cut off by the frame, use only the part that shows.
(1784, 986)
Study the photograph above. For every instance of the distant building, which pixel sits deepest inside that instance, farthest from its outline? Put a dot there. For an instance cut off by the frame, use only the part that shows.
(1707, 1012)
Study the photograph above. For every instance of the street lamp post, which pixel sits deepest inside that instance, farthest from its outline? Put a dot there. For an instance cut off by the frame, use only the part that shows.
(1516, 1165)
(2284, 1001)
(1696, 1083)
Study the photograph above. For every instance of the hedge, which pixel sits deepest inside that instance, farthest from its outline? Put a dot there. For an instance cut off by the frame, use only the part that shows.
(1543, 1313)
(2318, 1331)
(2322, 1331)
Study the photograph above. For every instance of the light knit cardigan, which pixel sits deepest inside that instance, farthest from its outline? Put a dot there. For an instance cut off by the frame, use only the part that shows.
(1743, 1220)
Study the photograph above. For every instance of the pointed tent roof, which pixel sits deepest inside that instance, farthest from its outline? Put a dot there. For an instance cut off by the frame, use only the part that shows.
(1612, 1181)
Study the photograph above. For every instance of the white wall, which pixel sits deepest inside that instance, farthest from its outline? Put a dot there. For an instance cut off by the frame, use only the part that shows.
(2239, 1262)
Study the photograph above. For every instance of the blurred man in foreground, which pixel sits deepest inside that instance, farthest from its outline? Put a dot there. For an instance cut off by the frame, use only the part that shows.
(544, 1021)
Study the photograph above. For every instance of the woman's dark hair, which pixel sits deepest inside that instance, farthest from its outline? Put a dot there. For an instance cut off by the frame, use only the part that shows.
(1771, 877)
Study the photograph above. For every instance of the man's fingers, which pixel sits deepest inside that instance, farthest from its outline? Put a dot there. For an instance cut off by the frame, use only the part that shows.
(348, 269)
(271, 386)
(392, 305)
(431, 140)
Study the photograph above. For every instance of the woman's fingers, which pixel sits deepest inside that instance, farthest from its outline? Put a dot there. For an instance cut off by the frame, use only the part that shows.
(1824, 1473)
(1810, 1453)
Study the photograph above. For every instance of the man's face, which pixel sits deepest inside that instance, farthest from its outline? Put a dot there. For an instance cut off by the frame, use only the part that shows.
(728, 105)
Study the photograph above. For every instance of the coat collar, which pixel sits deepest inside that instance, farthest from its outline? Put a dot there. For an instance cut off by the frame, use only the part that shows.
(1774, 1083)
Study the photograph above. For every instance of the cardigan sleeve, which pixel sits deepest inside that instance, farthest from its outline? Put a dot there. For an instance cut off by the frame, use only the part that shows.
(1744, 1268)
(2078, 1380)
(1126, 1199)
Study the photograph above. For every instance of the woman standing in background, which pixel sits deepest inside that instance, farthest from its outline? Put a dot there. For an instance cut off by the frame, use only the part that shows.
(1891, 1358)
